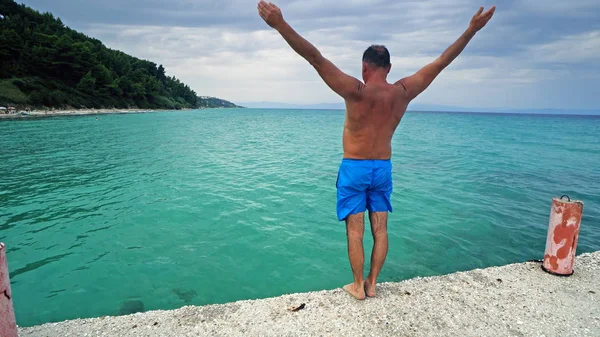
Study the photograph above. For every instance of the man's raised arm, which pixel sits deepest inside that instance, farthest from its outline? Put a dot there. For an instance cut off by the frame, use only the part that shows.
(417, 83)
(344, 85)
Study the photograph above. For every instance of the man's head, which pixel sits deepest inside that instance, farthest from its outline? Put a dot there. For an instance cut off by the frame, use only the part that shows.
(375, 59)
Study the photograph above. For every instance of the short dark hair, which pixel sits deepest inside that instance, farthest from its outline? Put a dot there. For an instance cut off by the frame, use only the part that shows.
(377, 55)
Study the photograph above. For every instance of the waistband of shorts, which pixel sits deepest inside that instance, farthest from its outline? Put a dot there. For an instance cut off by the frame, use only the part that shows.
(365, 160)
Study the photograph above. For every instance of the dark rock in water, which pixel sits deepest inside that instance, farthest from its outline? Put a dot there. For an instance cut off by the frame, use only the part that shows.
(131, 307)
(186, 296)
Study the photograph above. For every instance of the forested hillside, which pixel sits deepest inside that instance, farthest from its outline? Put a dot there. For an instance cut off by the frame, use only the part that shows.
(213, 102)
(45, 63)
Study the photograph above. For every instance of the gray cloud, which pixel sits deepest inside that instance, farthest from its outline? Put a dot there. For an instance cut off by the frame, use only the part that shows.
(223, 48)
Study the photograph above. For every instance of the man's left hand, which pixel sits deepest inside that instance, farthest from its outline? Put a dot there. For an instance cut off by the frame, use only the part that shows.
(270, 13)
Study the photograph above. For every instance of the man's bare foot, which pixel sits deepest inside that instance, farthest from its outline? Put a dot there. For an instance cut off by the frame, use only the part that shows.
(357, 291)
(369, 289)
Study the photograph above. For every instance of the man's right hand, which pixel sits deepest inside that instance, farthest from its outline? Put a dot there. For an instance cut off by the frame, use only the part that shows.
(479, 20)
(270, 13)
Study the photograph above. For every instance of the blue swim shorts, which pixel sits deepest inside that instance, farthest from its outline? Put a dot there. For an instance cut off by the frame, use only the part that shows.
(362, 185)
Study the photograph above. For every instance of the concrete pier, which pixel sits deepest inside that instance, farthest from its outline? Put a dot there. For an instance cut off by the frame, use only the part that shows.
(513, 300)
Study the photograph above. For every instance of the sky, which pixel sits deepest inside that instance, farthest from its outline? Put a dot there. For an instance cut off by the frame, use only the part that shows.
(533, 54)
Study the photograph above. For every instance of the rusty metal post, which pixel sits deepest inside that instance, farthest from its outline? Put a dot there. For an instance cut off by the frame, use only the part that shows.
(8, 324)
(563, 233)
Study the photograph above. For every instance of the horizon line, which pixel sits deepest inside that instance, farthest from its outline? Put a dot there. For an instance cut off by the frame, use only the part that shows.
(433, 105)
(596, 113)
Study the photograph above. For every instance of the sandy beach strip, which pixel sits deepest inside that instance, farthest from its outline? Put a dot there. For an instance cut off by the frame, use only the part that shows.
(80, 112)
(513, 300)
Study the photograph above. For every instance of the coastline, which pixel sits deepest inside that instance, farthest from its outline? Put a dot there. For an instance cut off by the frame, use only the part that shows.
(78, 112)
(513, 300)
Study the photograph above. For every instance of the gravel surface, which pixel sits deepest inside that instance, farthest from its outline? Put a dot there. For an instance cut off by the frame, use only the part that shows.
(514, 300)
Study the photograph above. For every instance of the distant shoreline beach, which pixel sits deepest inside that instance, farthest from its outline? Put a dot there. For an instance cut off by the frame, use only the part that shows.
(81, 112)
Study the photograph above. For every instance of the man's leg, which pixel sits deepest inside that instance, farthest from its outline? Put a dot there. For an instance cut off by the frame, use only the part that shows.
(355, 228)
(380, 248)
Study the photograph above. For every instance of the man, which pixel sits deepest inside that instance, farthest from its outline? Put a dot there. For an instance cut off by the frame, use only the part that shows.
(373, 111)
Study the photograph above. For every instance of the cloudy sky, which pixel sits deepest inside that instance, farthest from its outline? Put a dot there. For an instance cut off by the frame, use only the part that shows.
(533, 54)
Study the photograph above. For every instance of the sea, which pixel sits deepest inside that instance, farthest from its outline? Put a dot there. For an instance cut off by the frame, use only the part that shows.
(114, 214)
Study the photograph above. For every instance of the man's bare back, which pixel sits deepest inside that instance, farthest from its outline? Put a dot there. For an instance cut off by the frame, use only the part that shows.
(372, 121)
(374, 109)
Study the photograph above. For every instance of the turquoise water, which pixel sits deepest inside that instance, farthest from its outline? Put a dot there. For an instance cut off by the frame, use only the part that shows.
(161, 210)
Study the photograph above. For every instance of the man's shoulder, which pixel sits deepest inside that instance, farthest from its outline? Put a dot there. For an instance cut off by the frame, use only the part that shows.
(400, 86)
(395, 91)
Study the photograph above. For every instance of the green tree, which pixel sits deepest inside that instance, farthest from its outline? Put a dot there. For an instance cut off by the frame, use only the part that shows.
(126, 85)
(115, 90)
(87, 84)
(160, 74)
(102, 75)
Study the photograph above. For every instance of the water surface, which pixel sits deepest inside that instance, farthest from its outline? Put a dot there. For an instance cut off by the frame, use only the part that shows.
(161, 210)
